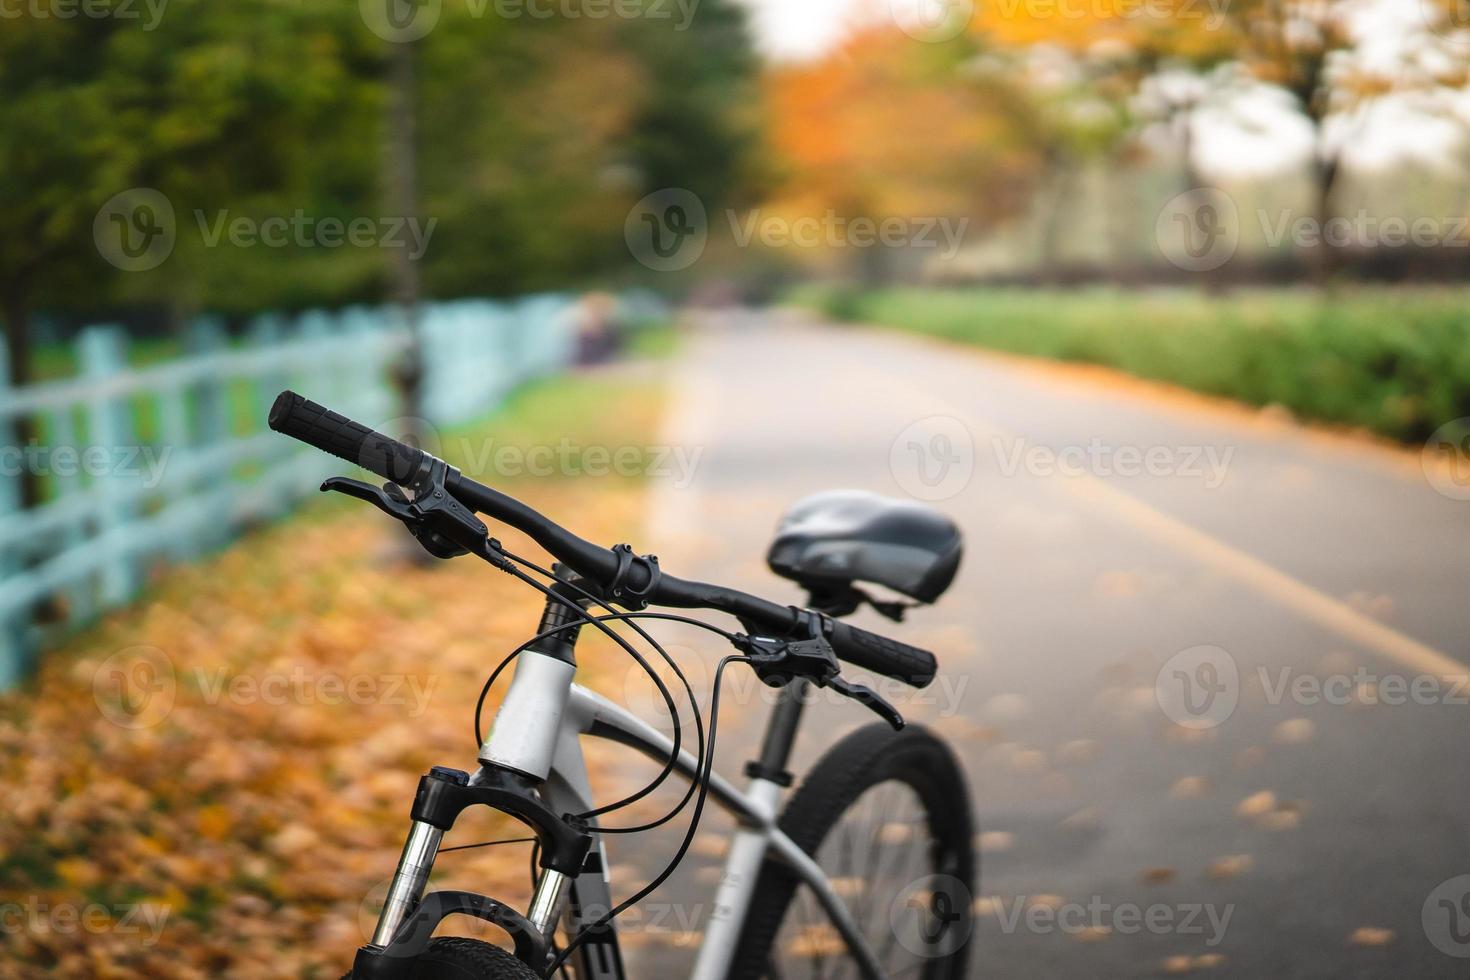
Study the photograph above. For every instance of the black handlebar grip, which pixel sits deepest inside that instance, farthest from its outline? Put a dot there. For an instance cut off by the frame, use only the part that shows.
(881, 655)
(316, 426)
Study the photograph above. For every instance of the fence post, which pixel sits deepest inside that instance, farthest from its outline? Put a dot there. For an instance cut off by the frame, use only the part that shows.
(80, 604)
(12, 627)
(103, 353)
(266, 334)
(216, 491)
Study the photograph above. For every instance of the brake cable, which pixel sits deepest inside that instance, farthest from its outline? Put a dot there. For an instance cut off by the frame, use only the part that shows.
(613, 617)
(631, 620)
(507, 562)
(703, 783)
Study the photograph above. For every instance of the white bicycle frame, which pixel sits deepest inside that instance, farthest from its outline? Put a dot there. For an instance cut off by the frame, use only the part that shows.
(537, 732)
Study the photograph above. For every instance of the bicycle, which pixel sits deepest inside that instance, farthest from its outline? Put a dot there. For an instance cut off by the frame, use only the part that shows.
(886, 807)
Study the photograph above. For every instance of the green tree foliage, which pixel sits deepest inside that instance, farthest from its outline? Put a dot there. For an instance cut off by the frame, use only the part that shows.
(536, 135)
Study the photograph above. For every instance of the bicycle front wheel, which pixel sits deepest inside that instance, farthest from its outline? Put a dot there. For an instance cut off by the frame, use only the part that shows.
(887, 816)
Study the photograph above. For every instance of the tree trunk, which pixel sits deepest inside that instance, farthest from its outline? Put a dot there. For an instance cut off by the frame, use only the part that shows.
(1055, 199)
(15, 309)
(401, 165)
(1325, 172)
(1193, 179)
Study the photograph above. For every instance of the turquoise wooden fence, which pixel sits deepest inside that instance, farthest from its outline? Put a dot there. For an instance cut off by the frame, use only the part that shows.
(167, 462)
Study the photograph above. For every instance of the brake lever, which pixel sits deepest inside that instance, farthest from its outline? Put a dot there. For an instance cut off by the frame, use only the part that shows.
(872, 699)
(390, 498)
(778, 662)
(444, 526)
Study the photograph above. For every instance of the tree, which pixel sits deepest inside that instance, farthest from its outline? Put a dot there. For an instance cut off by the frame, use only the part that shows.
(885, 127)
(539, 135)
(218, 107)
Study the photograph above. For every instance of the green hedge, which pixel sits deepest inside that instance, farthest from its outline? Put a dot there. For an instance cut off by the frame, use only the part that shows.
(1393, 361)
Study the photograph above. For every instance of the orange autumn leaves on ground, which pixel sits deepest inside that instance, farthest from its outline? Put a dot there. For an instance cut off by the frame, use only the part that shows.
(236, 807)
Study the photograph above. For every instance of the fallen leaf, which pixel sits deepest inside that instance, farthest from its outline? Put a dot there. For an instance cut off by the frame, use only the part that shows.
(1256, 805)
(1230, 866)
(1189, 788)
(1371, 937)
(1294, 731)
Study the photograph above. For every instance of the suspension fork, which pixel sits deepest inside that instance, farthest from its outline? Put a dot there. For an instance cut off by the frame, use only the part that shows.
(407, 888)
(515, 760)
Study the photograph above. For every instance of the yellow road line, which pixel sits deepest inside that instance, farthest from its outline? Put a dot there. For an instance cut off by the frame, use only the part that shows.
(1271, 582)
(1265, 579)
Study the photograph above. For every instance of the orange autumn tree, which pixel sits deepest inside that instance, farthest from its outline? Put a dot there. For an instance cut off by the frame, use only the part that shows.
(881, 128)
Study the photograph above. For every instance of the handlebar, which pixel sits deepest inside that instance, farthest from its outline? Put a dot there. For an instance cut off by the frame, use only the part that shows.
(390, 459)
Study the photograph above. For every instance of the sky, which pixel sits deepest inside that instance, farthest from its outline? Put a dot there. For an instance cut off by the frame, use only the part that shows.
(800, 28)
